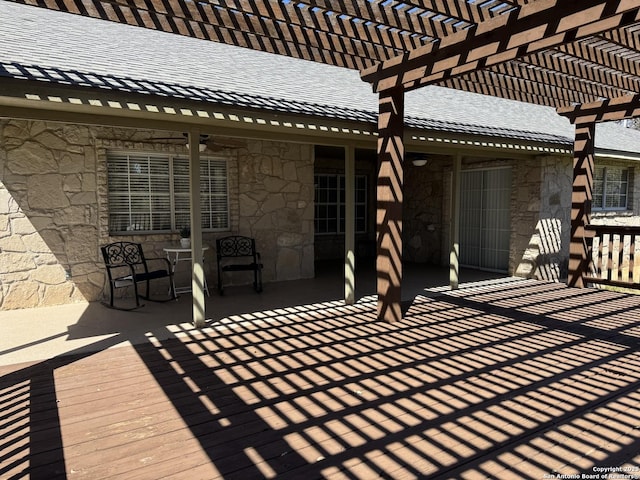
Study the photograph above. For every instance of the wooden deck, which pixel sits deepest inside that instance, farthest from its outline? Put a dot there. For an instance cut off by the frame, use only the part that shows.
(509, 380)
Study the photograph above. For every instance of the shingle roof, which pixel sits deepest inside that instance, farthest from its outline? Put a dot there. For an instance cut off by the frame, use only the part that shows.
(236, 99)
(52, 46)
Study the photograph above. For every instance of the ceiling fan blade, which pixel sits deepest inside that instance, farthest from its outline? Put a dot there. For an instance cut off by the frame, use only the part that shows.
(214, 144)
(222, 143)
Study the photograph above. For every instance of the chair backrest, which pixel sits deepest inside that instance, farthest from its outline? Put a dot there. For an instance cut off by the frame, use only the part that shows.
(119, 253)
(235, 246)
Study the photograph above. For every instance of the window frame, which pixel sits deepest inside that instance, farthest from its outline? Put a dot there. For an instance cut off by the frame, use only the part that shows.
(209, 162)
(601, 207)
(339, 204)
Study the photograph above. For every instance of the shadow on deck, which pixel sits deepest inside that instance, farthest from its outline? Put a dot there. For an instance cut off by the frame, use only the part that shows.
(504, 378)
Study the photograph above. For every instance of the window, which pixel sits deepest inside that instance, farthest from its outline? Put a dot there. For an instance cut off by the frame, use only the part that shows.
(330, 204)
(150, 193)
(610, 185)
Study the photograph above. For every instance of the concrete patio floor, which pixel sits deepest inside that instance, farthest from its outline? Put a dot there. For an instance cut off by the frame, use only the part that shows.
(503, 378)
(37, 334)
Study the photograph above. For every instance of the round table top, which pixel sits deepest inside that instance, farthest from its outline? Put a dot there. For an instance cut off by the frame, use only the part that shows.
(182, 249)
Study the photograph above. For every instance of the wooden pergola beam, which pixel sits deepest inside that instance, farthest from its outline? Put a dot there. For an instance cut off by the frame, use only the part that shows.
(619, 108)
(581, 199)
(534, 27)
(389, 193)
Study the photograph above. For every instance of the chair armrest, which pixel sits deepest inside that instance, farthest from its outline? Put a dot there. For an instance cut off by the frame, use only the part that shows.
(117, 265)
(113, 267)
(120, 276)
(160, 259)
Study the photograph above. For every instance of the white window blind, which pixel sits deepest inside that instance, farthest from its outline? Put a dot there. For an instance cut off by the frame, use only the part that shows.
(150, 193)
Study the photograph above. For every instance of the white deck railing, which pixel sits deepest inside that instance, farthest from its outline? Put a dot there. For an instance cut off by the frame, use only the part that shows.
(614, 260)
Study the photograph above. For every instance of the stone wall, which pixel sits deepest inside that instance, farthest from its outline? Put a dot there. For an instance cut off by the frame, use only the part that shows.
(275, 184)
(48, 215)
(54, 209)
(546, 256)
(525, 209)
(423, 217)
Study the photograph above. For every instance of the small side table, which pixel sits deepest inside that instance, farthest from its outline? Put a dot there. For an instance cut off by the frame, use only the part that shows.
(181, 254)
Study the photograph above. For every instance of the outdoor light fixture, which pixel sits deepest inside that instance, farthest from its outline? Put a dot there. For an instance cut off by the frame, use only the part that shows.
(420, 160)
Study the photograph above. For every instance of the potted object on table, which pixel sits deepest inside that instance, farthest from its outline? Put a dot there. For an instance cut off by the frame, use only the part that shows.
(185, 237)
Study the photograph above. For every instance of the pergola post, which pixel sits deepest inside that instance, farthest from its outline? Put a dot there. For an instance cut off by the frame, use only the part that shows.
(197, 262)
(389, 204)
(454, 225)
(581, 197)
(349, 226)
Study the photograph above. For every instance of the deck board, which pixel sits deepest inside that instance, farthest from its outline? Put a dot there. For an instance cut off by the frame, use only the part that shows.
(503, 381)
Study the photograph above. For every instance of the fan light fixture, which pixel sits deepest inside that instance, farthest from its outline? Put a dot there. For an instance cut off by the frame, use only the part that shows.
(201, 147)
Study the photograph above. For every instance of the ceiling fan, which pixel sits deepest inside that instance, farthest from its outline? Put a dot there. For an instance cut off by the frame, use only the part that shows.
(206, 142)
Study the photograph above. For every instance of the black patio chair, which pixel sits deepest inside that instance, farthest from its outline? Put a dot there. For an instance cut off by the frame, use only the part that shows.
(127, 266)
(237, 253)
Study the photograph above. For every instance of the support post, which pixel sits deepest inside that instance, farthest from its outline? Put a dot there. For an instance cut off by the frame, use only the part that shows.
(197, 263)
(581, 197)
(454, 225)
(389, 204)
(349, 226)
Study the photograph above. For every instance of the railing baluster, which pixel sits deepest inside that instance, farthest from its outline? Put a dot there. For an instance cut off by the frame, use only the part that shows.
(624, 266)
(612, 253)
(609, 265)
(601, 270)
(634, 271)
(618, 250)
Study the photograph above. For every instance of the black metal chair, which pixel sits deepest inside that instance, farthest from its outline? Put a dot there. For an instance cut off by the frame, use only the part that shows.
(238, 247)
(127, 266)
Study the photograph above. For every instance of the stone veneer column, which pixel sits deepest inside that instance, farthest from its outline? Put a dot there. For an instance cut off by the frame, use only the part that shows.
(48, 215)
(276, 207)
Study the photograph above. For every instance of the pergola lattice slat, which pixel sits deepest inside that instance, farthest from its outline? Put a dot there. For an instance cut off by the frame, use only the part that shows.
(534, 27)
(313, 19)
(619, 58)
(390, 14)
(589, 47)
(583, 72)
(512, 87)
(208, 30)
(541, 76)
(468, 12)
(288, 27)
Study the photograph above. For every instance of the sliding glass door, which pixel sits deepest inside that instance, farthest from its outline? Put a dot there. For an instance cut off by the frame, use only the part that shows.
(485, 219)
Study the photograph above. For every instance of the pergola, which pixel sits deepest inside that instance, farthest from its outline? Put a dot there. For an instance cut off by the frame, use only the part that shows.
(580, 56)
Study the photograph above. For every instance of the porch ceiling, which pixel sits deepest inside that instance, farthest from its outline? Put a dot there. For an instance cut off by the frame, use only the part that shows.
(558, 53)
